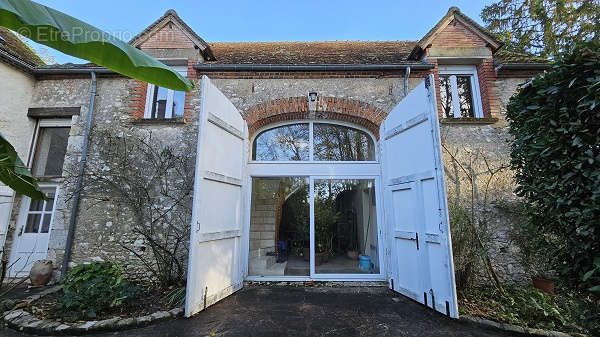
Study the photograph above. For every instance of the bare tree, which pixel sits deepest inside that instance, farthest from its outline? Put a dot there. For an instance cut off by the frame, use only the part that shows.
(151, 183)
(471, 172)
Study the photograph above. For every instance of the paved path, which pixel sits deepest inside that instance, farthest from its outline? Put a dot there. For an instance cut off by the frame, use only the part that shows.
(319, 311)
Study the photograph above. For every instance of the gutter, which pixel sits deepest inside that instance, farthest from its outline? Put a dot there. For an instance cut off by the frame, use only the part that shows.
(523, 66)
(79, 183)
(310, 67)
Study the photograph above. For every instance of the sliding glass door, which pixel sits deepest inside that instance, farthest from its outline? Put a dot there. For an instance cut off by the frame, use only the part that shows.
(313, 227)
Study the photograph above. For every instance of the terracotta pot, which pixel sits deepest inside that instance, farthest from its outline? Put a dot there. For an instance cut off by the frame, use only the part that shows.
(40, 272)
(352, 254)
(544, 285)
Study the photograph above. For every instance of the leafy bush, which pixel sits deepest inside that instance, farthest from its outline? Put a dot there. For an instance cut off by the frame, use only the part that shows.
(528, 306)
(555, 122)
(91, 288)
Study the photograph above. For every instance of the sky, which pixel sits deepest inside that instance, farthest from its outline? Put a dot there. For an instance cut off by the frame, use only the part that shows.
(258, 20)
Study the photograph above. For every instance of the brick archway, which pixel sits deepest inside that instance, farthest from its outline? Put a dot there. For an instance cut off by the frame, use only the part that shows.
(298, 108)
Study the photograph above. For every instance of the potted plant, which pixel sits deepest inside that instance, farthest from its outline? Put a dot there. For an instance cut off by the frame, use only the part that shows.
(326, 217)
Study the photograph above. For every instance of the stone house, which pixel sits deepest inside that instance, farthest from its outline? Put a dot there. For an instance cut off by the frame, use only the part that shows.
(307, 155)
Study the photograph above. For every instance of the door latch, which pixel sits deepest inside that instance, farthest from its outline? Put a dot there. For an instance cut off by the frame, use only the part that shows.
(417, 240)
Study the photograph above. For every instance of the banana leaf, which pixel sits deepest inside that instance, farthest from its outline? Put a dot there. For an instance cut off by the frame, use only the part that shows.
(77, 38)
(14, 174)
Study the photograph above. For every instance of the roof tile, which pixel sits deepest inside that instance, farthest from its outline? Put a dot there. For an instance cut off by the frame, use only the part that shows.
(17, 48)
(318, 52)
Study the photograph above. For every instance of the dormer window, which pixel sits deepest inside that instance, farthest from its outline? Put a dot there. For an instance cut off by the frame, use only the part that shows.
(163, 103)
(459, 92)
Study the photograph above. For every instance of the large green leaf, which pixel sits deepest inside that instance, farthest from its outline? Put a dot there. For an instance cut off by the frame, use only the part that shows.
(77, 38)
(14, 174)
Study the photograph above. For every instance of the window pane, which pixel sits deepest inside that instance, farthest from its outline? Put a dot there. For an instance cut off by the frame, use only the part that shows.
(33, 223)
(49, 202)
(50, 151)
(465, 96)
(345, 227)
(159, 102)
(279, 227)
(36, 205)
(46, 223)
(178, 103)
(288, 142)
(341, 143)
(446, 97)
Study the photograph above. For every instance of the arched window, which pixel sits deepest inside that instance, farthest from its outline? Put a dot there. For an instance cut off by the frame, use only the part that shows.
(313, 141)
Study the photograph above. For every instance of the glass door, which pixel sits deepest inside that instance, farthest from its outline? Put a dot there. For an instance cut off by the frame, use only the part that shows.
(345, 228)
(279, 228)
(313, 228)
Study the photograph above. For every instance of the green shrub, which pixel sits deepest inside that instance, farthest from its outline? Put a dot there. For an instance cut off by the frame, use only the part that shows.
(528, 306)
(555, 122)
(91, 288)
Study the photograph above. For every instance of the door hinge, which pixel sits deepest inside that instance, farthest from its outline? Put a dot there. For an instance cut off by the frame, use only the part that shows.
(432, 298)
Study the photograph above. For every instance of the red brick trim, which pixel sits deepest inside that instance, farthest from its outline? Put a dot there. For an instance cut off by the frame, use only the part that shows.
(490, 101)
(137, 99)
(308, 74)
(297, 108)
(138, 93)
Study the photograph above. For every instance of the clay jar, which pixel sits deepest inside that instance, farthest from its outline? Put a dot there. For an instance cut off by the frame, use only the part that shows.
(41, 272)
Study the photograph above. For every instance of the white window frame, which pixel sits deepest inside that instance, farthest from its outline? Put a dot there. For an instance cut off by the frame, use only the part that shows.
(471, 71)
(25, 212)
(311, 123)
(315, 170)
(45, 123)
(170, 93)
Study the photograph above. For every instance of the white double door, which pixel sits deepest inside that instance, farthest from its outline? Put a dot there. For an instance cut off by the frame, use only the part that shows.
(32, 234)
(416, 231)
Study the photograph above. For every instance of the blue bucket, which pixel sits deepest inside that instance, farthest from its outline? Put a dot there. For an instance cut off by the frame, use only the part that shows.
(364, 262)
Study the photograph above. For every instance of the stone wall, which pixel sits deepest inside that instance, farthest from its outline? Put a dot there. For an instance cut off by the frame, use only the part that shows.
(476, 160)
(16, 88)
(60, 93)
(104, 228)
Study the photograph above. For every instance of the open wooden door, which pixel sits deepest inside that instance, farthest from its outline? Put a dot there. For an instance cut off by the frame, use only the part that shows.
(215, 268)
(420, 262)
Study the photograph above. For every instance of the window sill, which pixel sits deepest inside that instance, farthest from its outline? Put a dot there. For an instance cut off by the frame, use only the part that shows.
(469, 120)
(49, 179)
(155, 121)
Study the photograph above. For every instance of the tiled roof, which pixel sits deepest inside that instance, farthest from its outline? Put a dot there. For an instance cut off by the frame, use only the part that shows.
(12, 45)
(319, 52)
(506, 57)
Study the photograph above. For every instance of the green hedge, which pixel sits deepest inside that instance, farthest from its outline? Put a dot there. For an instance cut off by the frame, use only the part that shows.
(555, 122)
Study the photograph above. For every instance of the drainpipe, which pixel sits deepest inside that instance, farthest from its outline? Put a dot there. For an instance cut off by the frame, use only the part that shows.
(406, 75)
(79, 183)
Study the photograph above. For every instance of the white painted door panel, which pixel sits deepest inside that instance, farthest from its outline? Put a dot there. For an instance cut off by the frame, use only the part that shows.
(32, 235)
(215, 267)
(416, 213)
